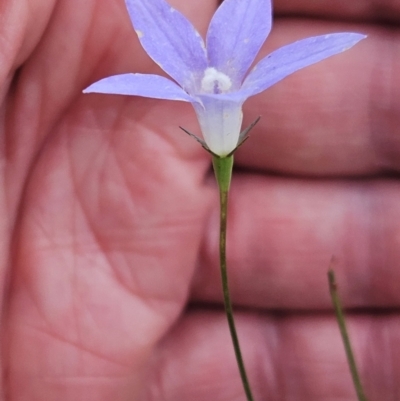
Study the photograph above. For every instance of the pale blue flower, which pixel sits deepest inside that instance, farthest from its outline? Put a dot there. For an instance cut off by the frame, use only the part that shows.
(213, 76)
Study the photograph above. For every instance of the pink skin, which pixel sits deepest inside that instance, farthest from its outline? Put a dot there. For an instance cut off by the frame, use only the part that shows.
(110, 217)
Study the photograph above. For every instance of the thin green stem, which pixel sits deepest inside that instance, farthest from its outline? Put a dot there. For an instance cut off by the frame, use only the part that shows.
(223, 172)
(345, 336)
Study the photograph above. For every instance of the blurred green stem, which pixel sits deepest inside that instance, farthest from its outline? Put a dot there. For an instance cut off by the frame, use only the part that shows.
(333, 288)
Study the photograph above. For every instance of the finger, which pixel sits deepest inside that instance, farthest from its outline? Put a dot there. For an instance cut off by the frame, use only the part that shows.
(338, 117)
(375, 10)
(22, 24)
(287, 357)
(282, 234)
(21, 27)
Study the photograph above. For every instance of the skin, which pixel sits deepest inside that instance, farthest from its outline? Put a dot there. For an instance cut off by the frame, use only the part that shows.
(109, 216)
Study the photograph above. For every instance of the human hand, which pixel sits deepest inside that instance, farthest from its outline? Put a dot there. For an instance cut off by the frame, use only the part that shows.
(110, 218)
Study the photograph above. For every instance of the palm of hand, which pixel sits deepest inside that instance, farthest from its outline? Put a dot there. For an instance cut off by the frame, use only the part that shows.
(106, 211)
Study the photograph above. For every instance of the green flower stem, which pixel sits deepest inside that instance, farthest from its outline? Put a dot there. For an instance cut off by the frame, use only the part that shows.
(223, 173)
(345, 337)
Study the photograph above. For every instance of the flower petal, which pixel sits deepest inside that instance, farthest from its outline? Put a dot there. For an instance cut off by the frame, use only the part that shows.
(291, 58)
(146, 85)
(220, 122)
(170, 40)
(235, 35)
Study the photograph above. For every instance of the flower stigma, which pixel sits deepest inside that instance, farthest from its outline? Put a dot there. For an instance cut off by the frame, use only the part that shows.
(215, 81)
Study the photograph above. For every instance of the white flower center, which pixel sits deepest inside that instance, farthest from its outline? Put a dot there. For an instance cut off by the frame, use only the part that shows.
(215, 81)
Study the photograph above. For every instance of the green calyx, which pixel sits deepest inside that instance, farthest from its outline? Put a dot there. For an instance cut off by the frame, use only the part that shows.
(223, 171)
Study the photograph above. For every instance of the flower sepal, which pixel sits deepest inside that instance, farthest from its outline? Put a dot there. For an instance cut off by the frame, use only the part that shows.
(199, 140)
(244, 135)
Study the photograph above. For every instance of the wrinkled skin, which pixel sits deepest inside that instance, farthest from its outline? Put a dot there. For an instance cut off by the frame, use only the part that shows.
(109, 216)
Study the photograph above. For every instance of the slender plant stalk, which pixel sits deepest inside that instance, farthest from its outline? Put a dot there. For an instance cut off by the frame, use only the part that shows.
(223, 172)
(333, 289)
